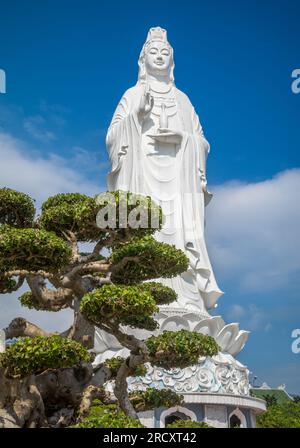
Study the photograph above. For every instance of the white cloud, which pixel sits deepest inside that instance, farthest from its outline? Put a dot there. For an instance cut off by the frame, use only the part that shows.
(35, 126)
(88, 160)
(268, 327)
(237, 312)
(28, 171)
(252, 316)
(253, 232)
(24, 169)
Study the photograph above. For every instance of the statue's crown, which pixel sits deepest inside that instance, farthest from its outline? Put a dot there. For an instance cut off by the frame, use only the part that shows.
(157, 33)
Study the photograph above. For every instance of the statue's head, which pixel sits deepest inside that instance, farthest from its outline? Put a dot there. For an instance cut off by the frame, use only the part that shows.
(156, 57)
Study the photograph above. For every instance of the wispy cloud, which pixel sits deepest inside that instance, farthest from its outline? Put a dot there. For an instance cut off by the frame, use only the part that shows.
(237, 312)
(36, 128)
(88, 160)
(49, 131)
(253, 232)
(25, 169)
(44, 125)
(253, 317)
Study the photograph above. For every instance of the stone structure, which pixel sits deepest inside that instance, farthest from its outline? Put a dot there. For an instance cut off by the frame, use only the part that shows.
(157, 147)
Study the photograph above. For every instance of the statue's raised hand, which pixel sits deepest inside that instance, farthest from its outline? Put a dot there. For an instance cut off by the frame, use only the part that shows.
(146, 104)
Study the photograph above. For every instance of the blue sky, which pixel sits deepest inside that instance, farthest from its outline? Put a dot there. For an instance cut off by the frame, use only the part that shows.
(67, 64)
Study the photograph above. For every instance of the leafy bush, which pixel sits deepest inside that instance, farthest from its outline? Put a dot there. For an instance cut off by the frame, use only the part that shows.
(285, 415)
(270, 400)
(28, 300)
(144, 322)
(32, 249)
(34, 355)
(188, 424)
(147, 259)
(115, 363)
(163, 295)
(107, 416)
(152, 398)
(71, 212)
(135, 215)
(16, 209)
(7, 284)
(118, 302)
(180, 348)
(78, 213)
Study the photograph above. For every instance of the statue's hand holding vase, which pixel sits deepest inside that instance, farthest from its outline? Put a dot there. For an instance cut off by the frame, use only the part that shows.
(166, 135)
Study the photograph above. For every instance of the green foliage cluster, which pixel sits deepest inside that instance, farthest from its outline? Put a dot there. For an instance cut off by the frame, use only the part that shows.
(152, 398)
(30, 356)
(73, 212)
(107, 416)
(285, 415)
(188, 424)
(270, 400)
(151, 260)
(7, 284)
(144, 322)
(129, 305)
(134, 215)
(163, 295)
(115, 363)
(16, 209)
(32, 249)
(119, 302)
(180, 348)
(77, 213)
(28, 301)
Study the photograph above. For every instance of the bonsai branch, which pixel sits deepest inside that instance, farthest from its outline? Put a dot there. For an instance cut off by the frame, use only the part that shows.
(51, 299)
(21, 327)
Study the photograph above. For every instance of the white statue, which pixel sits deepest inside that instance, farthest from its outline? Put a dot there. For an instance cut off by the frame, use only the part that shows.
(157, 147)
(2, 341)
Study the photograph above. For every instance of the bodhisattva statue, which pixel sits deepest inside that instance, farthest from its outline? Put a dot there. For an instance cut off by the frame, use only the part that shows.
(157, 147)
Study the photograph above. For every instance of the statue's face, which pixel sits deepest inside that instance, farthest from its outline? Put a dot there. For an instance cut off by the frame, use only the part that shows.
(158, 58)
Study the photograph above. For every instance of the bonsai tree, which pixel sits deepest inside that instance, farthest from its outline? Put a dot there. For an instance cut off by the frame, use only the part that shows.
(48, 379)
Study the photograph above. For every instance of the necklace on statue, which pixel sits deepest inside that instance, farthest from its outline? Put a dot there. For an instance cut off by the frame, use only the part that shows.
(163, 88)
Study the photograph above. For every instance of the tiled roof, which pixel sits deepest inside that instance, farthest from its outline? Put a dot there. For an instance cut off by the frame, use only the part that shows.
(281, 395)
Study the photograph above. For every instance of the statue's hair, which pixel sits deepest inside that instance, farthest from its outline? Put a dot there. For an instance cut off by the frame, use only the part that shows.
(142, 66)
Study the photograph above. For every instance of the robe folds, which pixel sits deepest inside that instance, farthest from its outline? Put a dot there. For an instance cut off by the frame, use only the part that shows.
(171, 175)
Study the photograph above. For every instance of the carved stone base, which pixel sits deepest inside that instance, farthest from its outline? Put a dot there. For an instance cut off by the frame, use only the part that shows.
(219, 374)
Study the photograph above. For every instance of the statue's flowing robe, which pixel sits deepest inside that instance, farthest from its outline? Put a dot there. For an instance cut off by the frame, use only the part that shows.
(172, 180)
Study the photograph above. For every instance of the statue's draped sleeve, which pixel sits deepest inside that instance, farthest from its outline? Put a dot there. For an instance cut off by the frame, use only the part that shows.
(123, 135)
(202, 143)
